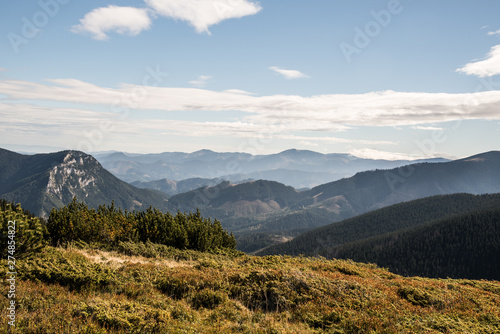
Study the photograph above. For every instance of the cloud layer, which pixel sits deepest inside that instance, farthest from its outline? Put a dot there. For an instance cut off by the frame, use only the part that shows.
(201, 14)
(30, 112)
(334, 112)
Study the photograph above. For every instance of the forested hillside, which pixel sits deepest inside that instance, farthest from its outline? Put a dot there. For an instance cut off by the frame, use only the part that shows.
(442, 236)
(386, 220)
(466, 246)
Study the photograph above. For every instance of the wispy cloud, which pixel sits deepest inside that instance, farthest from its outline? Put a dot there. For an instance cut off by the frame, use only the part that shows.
(238, 91)
(484, 68)
(2, 69)
(27, 123)
(122, 20)
(427, 128)
(288, 74)
(491, 33)
(201, 81)
(335, 112)
(202, 14)
(369, 153)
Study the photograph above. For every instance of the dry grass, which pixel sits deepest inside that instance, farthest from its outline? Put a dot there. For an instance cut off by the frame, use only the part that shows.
(223, 294)
(116, 260)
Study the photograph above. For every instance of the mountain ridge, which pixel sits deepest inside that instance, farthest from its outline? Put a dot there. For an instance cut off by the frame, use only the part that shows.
(44, 181)
(297, 168)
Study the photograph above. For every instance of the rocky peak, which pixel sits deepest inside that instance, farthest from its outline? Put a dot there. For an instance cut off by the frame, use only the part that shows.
(73, 174)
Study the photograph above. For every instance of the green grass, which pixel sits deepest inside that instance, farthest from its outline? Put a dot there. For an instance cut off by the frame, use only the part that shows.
(149, 288)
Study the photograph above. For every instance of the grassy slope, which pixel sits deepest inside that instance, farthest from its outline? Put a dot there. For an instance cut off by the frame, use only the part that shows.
(156, 289)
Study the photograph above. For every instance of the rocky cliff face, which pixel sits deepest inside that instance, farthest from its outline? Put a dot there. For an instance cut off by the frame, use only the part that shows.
(72, 175)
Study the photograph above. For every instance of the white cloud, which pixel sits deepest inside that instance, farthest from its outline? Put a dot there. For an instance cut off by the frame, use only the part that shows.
(201, 81)
(238, 91)
(288, 74)
(368, 153)
(427, 128)
(319, 113)
(202, 14)
(122, 20)
(484, 68)
(491, 33)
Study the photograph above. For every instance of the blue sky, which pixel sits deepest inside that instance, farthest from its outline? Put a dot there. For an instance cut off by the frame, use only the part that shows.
(386, 79)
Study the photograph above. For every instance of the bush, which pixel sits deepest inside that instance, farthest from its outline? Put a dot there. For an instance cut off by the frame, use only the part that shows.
(69, 269)
(26, 236)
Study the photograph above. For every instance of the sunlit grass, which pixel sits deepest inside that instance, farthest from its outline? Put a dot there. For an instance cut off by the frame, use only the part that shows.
(154, 289)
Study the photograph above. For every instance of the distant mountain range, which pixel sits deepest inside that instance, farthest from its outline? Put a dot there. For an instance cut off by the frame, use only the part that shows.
(43, 181)
(259, 212)
(296, 168)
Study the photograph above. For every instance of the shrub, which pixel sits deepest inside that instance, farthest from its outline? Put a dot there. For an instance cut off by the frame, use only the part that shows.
(26, 236)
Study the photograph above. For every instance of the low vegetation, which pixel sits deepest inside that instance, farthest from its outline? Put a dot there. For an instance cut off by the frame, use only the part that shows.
(109, 225)
(81, 289)
(139, 286)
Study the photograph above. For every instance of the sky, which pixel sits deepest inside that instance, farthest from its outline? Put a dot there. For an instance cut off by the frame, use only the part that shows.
(396, 79)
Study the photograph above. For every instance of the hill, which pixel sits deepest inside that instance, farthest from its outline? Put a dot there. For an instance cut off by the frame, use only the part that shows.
(172, 188)
(382, 221)
(462, 246)
(375, 189)
(226, 200)
(137, 287)
(44, 181)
